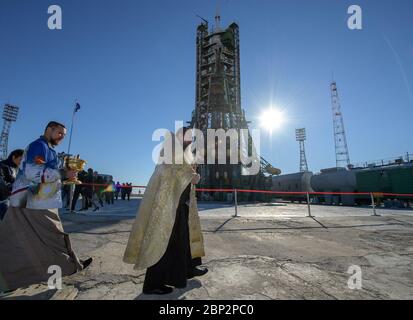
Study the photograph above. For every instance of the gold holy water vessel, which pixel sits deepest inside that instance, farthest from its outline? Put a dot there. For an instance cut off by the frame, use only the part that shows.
(75, 164)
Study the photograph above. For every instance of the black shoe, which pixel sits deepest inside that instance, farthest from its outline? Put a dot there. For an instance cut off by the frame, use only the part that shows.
(161, 290)
(96, 209)
(198, 272)
(86, 263)
(6, 292)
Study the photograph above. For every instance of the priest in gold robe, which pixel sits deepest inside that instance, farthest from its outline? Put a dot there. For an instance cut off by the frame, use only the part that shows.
(166, 236)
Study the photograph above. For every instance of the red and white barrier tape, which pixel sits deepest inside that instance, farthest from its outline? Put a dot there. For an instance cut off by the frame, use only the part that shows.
(376, 194)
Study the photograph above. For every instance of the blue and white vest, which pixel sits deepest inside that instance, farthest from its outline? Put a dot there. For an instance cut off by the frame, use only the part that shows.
(38, 182)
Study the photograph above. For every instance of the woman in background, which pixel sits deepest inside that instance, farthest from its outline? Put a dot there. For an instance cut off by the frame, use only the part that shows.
(8, 172)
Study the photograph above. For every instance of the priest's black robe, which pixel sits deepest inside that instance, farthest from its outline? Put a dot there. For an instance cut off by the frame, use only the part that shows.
(176, 265)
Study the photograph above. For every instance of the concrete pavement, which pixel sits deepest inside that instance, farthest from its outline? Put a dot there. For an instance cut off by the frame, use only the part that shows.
(271, 251)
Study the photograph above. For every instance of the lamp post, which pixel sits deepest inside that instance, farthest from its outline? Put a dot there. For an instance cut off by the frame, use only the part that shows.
(72, 186)
(9, 115)
(75, 109)
(300, 136)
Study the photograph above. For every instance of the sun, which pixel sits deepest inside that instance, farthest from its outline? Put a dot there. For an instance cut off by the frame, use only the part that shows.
(272, 119)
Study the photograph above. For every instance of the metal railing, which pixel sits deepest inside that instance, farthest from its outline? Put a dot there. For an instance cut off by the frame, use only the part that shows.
(371, 195)
(236, 191)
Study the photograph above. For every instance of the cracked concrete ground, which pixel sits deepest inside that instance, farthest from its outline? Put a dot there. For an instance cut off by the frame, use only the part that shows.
(271, 251)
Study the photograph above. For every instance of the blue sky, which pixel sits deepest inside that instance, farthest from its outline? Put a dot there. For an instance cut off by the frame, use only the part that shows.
(131, 64)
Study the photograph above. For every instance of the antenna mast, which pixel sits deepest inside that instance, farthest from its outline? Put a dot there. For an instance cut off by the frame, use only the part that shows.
(218, 19)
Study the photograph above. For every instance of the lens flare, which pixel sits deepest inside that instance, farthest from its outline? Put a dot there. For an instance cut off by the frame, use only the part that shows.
(272, 119)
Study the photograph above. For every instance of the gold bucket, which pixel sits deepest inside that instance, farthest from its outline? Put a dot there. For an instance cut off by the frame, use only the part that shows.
(75, 164)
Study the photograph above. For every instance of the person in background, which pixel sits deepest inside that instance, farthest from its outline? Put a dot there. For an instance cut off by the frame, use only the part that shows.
(117, 190)
(123, 191)
(110, 191)
(128, 190)
(100, 183)
(8, 172)
(89, 191)
(79, 190)
(66, 196)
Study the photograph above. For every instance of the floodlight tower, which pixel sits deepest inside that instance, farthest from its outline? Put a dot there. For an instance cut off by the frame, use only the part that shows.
(9, 115)
(300, 136)
(342, 155)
